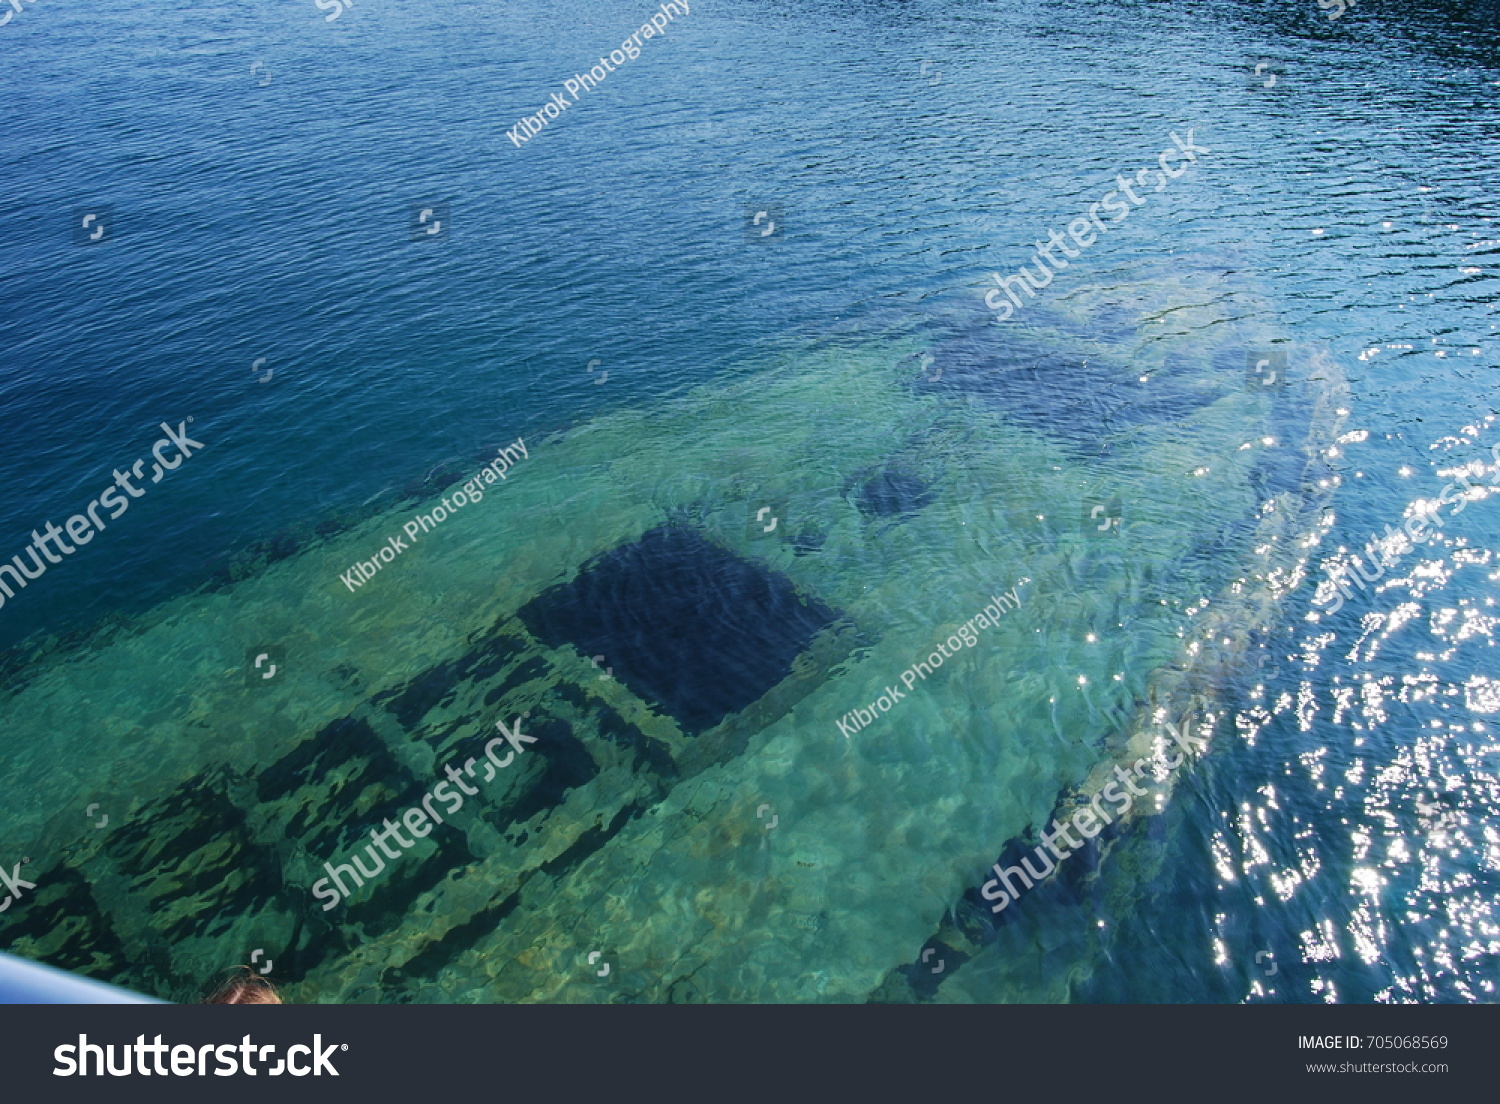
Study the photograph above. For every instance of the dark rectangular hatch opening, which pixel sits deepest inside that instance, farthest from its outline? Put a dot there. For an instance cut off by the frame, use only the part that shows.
(682, 622)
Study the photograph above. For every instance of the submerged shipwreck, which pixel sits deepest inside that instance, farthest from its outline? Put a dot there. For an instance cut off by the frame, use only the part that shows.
(676, 606)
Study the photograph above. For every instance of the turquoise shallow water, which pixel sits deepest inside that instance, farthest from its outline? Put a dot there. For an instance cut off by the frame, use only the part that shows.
(692, 809)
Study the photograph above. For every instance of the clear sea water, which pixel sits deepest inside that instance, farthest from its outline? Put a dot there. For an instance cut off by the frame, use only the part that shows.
(692, 809)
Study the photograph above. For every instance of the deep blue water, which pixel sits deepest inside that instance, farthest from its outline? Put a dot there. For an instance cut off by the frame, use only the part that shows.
(913, 149)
